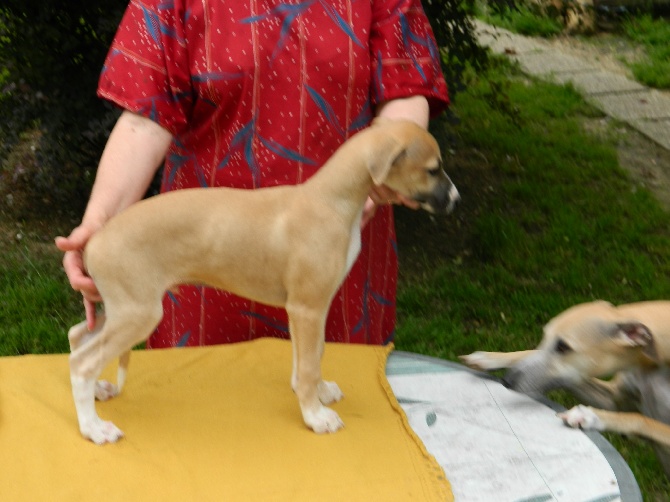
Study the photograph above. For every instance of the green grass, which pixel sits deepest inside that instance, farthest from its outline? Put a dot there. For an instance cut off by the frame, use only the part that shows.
(654, 36)
(556, 222)
(548, 219)
(523, 20)
(35, 305)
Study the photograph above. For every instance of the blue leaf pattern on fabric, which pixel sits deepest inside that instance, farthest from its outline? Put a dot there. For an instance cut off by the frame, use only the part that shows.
(166, 6)
(284, 152)
(112, 54)
(184, 339)
(205, 77)
(394, 246)
(341, 23)
(173, 298)
(364, 321)
(363, 118)
(290, 13)
(380, 299)
(407, 37)
(202, 180)
(326, 109)
(267, 320)
(176, 162)
(155, 27)
(244, 140)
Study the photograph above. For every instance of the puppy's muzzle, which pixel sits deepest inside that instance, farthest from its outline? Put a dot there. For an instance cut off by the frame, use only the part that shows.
(530, 382)
(442, 199)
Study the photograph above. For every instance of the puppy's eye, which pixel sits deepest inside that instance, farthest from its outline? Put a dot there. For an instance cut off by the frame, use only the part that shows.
(562, 347)
(434, 172)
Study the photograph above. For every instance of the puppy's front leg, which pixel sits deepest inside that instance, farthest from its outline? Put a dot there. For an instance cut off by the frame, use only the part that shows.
(307, 333)
(587, 418)
(489, 361)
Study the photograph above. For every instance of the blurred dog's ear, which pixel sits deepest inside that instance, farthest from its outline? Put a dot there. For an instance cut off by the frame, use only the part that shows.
(636, 334)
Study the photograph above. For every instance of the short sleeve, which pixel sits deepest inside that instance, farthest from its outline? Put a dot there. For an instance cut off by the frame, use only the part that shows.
(405, 57)
(147, 69)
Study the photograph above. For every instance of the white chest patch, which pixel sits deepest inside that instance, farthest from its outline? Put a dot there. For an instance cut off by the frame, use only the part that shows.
(354, 242)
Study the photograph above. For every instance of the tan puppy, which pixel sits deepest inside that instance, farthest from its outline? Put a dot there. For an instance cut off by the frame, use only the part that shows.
(288, 246)
(596, 340)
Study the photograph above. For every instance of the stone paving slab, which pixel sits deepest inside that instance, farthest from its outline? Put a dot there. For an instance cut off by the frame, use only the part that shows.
(599, 82)
(502, 41)
(548, 63)
(627, 107)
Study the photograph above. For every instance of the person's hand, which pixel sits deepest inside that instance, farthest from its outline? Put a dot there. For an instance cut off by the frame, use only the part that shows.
(73, 263)
(381, 195)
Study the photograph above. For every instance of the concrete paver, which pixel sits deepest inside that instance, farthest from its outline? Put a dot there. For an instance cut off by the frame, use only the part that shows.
(599, 82)
(633, 106)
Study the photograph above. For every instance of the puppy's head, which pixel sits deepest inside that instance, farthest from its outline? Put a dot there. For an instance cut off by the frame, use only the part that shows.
(407, 159)
(585, 341)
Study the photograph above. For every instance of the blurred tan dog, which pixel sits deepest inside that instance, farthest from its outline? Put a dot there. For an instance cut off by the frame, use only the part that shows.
(592, 341)
(288, 246)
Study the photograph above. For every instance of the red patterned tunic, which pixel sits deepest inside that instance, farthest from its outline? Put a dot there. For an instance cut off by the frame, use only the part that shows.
(259, 93)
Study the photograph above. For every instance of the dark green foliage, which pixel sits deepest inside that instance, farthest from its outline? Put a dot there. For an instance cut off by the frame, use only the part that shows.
(454, 32)
(52, 52)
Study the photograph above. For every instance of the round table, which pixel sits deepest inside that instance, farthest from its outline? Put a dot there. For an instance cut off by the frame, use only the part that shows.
(495, 444)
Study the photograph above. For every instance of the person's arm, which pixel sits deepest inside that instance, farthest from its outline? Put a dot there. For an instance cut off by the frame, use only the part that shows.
(134, 151)
(416, 109)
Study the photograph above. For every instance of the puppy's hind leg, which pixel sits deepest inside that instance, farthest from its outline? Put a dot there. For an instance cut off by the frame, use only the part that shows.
(78, 335)
(105, 390)
(117, 336)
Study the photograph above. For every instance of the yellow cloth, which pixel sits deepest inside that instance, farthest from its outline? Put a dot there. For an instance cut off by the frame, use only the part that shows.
(215, 423)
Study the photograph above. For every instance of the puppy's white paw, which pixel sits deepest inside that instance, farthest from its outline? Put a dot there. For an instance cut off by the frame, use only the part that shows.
(582, 417)
(101, 432)
(329, 392)
(323, 420)
(105, 390)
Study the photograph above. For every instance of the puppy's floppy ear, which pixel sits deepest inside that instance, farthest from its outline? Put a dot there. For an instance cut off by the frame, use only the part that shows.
(387, 153)
(636, 334)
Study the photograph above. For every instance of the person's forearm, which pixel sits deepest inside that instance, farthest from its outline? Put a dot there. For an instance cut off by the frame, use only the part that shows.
(414, 108)
(134, 151)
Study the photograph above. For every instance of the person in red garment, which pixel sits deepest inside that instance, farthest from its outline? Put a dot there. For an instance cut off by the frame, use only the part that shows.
(256, 94)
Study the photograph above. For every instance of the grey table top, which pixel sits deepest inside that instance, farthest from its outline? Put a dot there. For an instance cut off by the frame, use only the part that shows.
(495, 444)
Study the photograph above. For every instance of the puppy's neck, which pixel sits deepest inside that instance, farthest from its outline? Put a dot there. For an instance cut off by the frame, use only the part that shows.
(345, 177)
